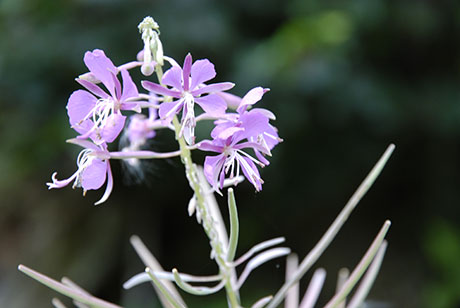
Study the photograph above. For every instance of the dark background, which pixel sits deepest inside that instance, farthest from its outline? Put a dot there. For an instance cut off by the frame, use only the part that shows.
(347, 78)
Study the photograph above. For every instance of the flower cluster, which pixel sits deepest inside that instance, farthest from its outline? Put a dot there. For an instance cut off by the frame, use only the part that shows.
(111, 107)
(111, 104)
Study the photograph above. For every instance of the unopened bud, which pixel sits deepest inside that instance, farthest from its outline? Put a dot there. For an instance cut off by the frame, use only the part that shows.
(153, 49)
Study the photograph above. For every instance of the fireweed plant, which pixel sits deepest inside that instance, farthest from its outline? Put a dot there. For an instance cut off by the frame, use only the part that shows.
(112, 106)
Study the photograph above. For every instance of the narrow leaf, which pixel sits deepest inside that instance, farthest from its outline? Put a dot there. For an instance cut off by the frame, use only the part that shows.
(262, 302)
(368, 279)
(261, 259)
(194, 289)
(330, 234)
(65, 290)
(150, 261)
(314, 289)
(164, 291)
(292, 296)
(257, 248)
(57, 303)
(360, 268)
(342, 277)
(144, 277)
(234, 225)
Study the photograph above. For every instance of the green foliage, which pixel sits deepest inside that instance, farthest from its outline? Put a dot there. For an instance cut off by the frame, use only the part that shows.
(442, 247)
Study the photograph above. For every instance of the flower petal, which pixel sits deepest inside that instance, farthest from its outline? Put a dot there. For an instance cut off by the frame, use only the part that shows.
(173, 78)
(212, 168)
(168, 109)
(94, 175)
(229, 132)
(102, 68)
(232, 100)
(252, 97)
(202, 71)
(108, 189)
(157, 89)
(113, 127)
(213, 146)
(254, 123)
(212, 104)
(129, 87)
(213, 88)
(96, 90)
(186, 71)
(220, 127)
(250, 172)
(79, 106)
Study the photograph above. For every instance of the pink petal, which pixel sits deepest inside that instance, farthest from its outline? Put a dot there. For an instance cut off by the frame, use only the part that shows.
(232, 101)
(157, 89)
(94, 176)
(213, 88)
(129, 87)
(213, 167)
(252, 97)
(213, 146)
(271, 137)
(80, 105)
(173, 78)
(168, 109)
(113, 127)
(186, 71)
(219, 128)
(108, 189)
(101, 67)
(212, 104)
(261, 158)
(254, 123)
(250, 172)
(229, 132)
(96, 90)
(117, 87)
(202, 71)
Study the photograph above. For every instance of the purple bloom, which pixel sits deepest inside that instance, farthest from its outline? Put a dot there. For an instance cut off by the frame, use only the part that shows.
(95, 113)
(93, 170)
(139, 130)
(187, 87)
(231, 157)
(254, 124)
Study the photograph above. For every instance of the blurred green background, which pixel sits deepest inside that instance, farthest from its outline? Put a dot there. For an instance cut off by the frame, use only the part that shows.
(347, 78)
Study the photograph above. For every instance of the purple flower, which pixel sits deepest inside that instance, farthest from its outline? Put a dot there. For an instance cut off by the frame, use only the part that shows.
(187, 87)
(95, 113)
(93, 170)
(139, 130)
(254, 124)
(231, 157)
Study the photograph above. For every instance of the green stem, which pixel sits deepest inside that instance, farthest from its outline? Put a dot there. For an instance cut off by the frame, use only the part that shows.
(208, 225)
